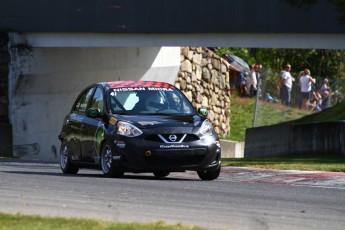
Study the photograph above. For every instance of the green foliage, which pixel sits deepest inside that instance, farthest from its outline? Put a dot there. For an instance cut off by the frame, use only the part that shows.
(322, 63)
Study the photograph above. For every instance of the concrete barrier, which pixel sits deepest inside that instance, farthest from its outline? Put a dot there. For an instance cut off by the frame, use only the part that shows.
(321, 138)
(267, 141)
(232, 149)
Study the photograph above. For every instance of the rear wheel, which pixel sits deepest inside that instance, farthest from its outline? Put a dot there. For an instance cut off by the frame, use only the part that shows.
(110, 167)
(66, 164)
(161, 174)
(209, 175)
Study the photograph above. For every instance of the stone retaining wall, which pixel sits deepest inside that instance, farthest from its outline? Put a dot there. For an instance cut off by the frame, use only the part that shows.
(204, 79)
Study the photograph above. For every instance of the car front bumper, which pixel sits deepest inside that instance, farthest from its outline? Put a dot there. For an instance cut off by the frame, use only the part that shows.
(138, 155)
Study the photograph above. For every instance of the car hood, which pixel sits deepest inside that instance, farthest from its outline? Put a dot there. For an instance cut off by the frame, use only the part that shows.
(159, 121)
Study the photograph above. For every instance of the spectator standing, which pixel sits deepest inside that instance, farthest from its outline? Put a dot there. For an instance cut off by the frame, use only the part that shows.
(257, 69)
(305, 83)
(325, 93)
(250, 81)
(287, 86)
(252, 76)
(242, 89)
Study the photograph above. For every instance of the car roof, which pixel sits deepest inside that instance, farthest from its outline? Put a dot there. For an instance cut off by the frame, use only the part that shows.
(132, 83)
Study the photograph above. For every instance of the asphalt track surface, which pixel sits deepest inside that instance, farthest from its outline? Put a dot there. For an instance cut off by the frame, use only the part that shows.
(242, 198)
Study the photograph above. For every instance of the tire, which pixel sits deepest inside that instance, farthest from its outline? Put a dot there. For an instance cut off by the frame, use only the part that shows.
(209, 175)
(110, 167)
(161, 174)
(66, 164)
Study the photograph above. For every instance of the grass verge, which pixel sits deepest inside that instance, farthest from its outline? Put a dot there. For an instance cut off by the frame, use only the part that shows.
(242, 114)
(308, 163)
(18, 221)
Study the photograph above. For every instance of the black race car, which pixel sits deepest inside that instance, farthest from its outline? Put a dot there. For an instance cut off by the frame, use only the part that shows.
(138, 126)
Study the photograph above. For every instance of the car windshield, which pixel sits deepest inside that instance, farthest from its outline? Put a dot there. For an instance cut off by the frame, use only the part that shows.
(136, 101)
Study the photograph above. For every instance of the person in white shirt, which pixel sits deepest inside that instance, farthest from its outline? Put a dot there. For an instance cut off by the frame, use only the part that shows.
(251, 82)
(286, 90)
(254, 87)
(305, 83)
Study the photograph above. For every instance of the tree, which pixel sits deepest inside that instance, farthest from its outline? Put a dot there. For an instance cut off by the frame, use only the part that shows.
(322, 63)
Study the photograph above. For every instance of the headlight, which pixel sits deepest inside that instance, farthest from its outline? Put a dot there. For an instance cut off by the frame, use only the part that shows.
(206, 128)
(128, 130)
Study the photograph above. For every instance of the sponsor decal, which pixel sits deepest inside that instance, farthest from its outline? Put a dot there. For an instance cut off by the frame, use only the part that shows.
(129, 89)
(112, 120)
(160, 89)
(99, 136)
(120, 144)
(173, 146)
(77, 117)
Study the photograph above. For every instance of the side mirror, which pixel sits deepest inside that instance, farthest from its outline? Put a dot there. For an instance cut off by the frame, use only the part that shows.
(93, 113)
(203, 111)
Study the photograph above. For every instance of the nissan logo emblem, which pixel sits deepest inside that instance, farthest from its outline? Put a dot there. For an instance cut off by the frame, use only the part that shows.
(173, 138)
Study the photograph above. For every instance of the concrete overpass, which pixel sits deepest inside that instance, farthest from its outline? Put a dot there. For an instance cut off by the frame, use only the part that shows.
(57, 48)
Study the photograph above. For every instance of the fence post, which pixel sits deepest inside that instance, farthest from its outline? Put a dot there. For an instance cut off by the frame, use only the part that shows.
(256, 102)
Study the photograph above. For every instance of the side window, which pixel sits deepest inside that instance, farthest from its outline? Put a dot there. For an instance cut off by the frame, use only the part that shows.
(81, 104)
(97, 100)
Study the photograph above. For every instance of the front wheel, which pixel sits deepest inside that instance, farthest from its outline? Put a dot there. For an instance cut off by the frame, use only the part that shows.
(110, 167)
(209, 175)
(66, 164)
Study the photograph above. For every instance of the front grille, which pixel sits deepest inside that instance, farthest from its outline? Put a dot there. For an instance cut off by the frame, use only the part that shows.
(191, 137)
(153, 137)
(164, 138)
(176, 157)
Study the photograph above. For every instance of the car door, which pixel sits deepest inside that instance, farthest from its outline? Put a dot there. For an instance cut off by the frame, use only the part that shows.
(74, 122)
(92, 130)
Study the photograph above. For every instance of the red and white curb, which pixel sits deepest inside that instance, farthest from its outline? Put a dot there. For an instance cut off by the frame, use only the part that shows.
(285, 177)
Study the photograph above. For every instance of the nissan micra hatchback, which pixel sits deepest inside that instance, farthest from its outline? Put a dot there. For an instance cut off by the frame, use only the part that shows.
(138, 126)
